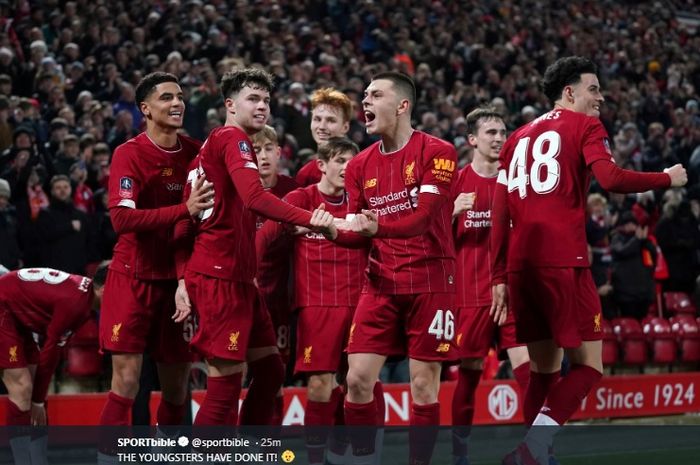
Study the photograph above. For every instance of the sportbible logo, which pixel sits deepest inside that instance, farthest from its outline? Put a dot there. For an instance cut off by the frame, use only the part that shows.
(503, 402)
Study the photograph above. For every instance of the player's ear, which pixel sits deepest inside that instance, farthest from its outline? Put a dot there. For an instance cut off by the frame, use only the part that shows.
(321, 165)
(230, 105)
(143, 106)
(404, 106)
(471, 138)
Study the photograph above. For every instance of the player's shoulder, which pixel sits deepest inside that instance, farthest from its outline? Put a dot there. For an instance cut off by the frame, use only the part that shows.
(286, 183)
(300, 196)
(432, 145)
(190, 144)
(132, 147)
(362, 157)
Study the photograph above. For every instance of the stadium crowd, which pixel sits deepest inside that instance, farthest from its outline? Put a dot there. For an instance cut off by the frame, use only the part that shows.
(68, 71)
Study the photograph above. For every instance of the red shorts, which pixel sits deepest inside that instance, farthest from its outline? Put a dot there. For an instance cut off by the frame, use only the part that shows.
(17, 345)
(477, 332)
(421, 326)
(279, 313)
(136, 316)
(555, 303)
(322, 334)
(231, 317)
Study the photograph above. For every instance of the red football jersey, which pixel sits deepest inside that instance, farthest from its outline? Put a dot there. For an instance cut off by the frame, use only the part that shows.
(309, 174)
(274, 266)
(48, 302)
(145, 176)
(472, 233)
(545, 166)
(325, 273)
(389, 184)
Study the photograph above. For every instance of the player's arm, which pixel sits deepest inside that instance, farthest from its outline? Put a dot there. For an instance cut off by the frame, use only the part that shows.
(272, 231)
(124, 189)
(339, 231)
(500, 229)
(615, 179)
(596, 152)
(244, 175)
(65, 319)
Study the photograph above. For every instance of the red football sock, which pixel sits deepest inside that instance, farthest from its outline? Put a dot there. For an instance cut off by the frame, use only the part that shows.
(522, 377)
(425, 421)
(536, 393)
(566, 396)
(362, 439)
(169, 413)
(318, 419)
(339, 438)
(463, 408)
(378, 393)
(16, 417)
(267, 376)
(116, 410)
(221, 397)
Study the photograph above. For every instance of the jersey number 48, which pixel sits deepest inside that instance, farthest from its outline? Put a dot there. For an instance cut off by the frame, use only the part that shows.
(544, 152)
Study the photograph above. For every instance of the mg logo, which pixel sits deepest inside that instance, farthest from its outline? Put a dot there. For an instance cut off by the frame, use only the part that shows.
(503, 402)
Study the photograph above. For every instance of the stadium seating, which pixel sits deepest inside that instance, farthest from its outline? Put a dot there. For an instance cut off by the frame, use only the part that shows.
(679, 302)
(685, 328)
(82, 351)
(630, 337)
(611, 350)
(660, 340)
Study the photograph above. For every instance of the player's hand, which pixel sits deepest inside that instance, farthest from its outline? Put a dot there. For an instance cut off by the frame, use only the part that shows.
(299, 230)
(342, 224)
(365, 224)
(38, 414)
(201, 197)
(499, 303)
(183, 306)
(679, 177)
(322, 221)
(463, 202)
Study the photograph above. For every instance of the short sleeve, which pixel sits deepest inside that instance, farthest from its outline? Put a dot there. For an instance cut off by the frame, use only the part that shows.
(595, 142)
(440, 169)
(124, 181)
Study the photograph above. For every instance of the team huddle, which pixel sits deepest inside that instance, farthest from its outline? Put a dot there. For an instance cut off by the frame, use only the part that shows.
(392, 252)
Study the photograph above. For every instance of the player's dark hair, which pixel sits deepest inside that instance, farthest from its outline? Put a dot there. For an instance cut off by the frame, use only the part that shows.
(403, 84)
(101, 275)
(478, 116)
(335, 146)
(234, 81)
(147, 85)
(565, 72)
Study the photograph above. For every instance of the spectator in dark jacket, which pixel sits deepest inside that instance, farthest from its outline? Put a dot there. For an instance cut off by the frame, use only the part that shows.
(679, 239)
(634, 256)
(10, 255)
(65, 231)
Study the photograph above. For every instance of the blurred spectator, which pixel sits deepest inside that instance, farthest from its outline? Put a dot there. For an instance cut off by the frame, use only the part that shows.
(6, 126)
(98, 169)
(105, 237)
(628, 146)
(296, 114)
(82, 194)
(65, 231)
(10, 255)
(598, 226)
(633, 263)
(68, 155)
(679, 238)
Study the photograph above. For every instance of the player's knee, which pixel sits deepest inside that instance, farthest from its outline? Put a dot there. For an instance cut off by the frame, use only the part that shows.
(360, 386)
(424, 388)
(125, 382)
(20, 390)
(319, 388)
